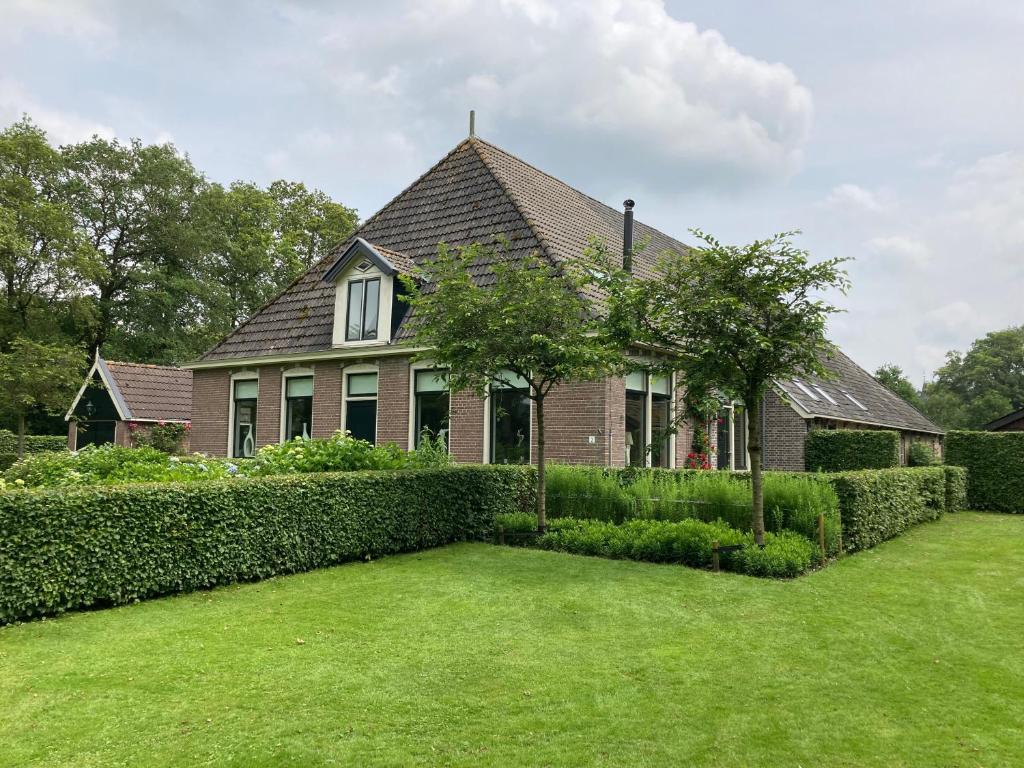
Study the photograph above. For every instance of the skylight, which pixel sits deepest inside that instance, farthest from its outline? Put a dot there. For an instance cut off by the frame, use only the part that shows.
(825, 394)
(855, 401)
(805, 390)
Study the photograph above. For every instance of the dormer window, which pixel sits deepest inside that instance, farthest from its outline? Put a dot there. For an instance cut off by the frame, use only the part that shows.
(363, 307)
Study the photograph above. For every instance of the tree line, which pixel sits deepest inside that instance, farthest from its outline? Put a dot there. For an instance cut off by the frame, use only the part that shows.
(970, 389)
(129, 247)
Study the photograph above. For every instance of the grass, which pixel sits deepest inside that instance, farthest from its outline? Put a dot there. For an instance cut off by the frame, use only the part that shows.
(475, 655)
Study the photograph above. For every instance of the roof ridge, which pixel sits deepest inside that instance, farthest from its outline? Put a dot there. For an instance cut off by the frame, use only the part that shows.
(148, 365)
(334, 252)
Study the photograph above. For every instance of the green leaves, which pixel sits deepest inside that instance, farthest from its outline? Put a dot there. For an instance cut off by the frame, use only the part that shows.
(995, 468)
(839, 450)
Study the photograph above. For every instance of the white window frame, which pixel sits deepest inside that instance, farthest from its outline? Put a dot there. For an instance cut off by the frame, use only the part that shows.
(731, 408)
(649, 418)
(384, 306)
(486, 458)
(423, 365)
(244, 375)
(294, 373)
(360, 368)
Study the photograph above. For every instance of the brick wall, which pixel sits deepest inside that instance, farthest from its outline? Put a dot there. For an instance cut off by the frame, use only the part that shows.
(210, 404)
(268, 406)
(326, 399)
(785, 433)
(393, 401)
(573, 413)
(467, 427)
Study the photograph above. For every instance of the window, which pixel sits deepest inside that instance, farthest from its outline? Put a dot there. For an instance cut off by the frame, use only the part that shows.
(361, 406)
(298, 421)
(855, 401)
(725, 438)
(363, 305)
(661, 421)
(804, 389)
(243, 431)
(636, 419)
(431, 405)
(826, 395)
(510, 420)
(739, 436)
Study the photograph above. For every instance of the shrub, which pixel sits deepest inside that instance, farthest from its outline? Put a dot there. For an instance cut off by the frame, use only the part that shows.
(876, 505)
(956, 488)
(69, 548)
(166, 437)
(341, 453)
(6, 460)
(689, 542)
(921, 455)
(841, 450)
(33, 443)
(792, 500)
(995, 468)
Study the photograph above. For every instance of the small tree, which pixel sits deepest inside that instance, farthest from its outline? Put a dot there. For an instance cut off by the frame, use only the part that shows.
(35, 375)
(734, 318)
(533, 319)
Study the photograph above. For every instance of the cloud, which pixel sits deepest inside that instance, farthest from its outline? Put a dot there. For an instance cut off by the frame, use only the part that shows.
(62, 127)
(900, 247)
(576, 79)
(84, 22)
(846, 197)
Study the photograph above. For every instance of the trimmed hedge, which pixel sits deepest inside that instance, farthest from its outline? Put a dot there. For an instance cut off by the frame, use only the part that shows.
(876, 505)
(69, 548)
(33, 443)
(688, 542)
(956, 488)
(843, 450)
(995, 468)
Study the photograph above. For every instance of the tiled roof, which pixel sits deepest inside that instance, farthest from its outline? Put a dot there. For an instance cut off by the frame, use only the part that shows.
(474, 194)
(1003, 421)
(851, 388)
(153, 392)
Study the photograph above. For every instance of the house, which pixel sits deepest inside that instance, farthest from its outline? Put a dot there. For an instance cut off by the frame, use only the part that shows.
(334, 349)
(1011, 422)
(118, 400)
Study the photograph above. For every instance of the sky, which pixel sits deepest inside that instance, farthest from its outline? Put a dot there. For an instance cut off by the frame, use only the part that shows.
(891, 133)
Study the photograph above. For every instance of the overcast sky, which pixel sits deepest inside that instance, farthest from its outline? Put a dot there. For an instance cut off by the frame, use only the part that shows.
(894, 136)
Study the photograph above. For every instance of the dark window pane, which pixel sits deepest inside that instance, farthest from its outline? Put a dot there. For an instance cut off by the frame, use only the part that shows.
(432, 415)
(636, 427)
(299, 421)
(723, 439)
(244, 443)
(660, 435)
(372, 300)
(361, 419)
(740, 437)
(355, 311)
(510, 426)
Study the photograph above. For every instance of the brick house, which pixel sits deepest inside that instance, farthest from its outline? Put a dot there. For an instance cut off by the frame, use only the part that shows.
(117, 400)
(1011, 422)
(334, 349)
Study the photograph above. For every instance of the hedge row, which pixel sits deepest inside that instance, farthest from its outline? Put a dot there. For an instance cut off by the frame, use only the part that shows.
(33, 443)
(842, 450)
(687, 542)
(956, 488)
(77, 547)
(995, 468)
(876, 505)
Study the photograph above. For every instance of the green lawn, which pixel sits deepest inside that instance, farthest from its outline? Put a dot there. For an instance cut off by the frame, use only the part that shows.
(909, 654)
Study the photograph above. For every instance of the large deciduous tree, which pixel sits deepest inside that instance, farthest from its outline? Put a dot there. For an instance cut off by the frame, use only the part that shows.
(532, 320)
(892, 378)
(734, 319)
(37, 376)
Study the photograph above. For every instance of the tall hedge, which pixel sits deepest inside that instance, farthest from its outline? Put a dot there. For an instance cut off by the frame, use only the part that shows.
(70, 548)
(876, 505)
(956, 488)
(995, 468)
(33, 443)
(842, 450)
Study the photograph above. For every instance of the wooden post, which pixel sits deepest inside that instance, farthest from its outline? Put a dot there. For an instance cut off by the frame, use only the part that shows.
(714, 556)
(821, 536)
(501, 536)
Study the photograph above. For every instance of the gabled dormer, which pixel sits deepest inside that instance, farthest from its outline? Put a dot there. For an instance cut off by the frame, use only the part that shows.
(366, 290)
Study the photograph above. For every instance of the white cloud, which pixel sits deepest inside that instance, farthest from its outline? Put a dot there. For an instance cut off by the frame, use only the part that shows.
(85, 22)
(846, 197)
(62, 127)
(900, 247)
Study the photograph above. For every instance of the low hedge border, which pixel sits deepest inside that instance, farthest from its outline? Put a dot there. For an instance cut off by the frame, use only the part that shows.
(842, 450)
(33, 443)
(687, 542)
(70, 548)
(995, 468)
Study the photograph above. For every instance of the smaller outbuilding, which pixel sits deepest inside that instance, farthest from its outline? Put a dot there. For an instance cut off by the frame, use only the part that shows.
(120, 402)
(1011, 422)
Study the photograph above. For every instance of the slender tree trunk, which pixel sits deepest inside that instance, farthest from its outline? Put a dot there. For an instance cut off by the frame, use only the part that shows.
(542, 520)
(21, 434)
(756, 480)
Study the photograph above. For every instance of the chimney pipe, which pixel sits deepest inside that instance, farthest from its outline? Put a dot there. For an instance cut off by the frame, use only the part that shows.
(627, 236)
(472, 123)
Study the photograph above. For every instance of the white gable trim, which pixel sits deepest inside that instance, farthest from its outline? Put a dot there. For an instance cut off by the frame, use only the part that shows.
(100, 366)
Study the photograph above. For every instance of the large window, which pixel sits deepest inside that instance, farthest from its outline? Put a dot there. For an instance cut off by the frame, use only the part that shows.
(243, 431)
(298, 420)
(431, 406)
(363, 306)
(510, 420)
(361, 406)
(732, 437)
(636, 419)
(661, 421)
